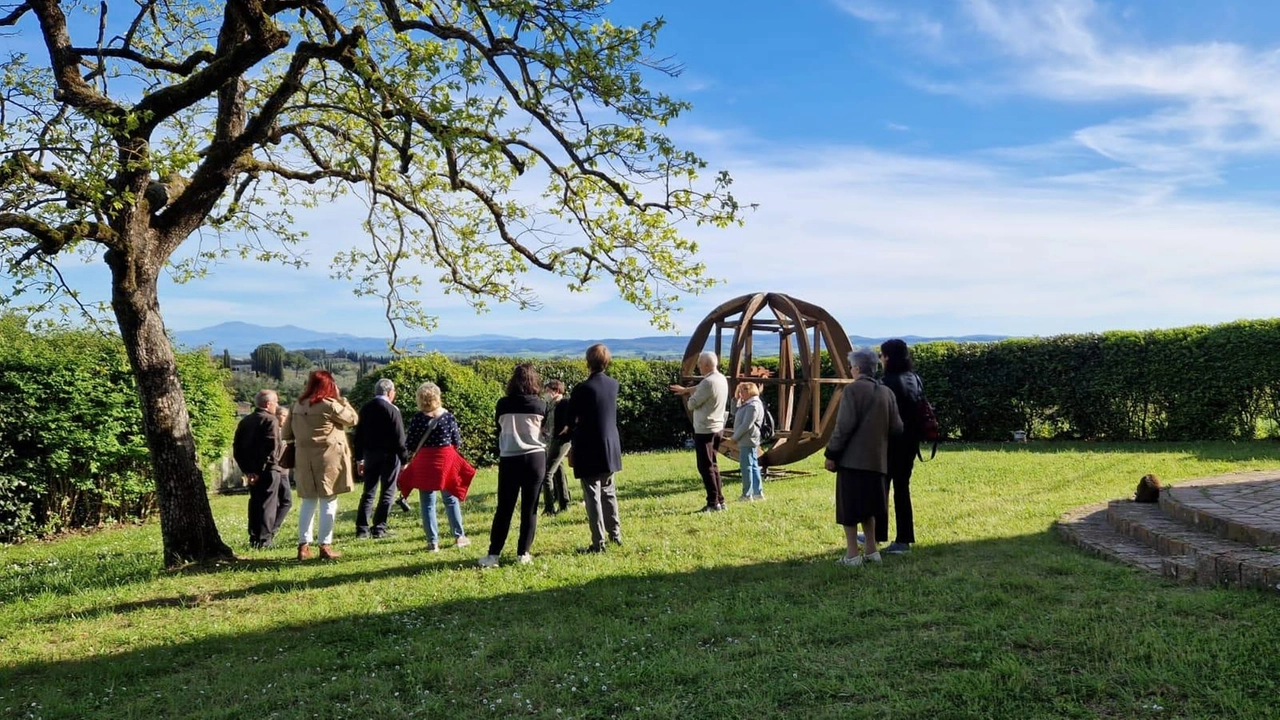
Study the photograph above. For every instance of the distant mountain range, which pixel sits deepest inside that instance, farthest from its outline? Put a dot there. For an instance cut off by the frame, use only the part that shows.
(241, 338)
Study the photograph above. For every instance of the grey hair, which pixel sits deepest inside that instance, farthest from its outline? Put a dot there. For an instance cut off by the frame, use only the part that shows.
(428, 396)
(383, 387)
(708, 358)
(865, 360)
(264, 398)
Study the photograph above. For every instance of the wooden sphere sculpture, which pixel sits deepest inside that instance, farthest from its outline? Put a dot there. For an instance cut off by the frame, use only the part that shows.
(794, 393)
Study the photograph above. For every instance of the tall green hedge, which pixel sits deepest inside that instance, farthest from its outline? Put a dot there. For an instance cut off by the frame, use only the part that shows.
(468, 395)
(72, 453)
(649, 416)
(1193, 383)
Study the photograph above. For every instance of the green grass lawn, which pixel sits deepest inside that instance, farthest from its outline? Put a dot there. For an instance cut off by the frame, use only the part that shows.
(741, 614)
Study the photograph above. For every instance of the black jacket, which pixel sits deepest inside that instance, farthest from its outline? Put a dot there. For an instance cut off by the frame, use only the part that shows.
(257, 446)
(907, 389)
(380, 431)
(563, 420)
(594, 409)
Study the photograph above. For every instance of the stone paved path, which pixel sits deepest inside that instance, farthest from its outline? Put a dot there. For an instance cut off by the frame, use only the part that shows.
(1240, 506)
(1222, 530)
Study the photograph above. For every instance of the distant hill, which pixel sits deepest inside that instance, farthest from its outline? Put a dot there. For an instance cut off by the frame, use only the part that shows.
(241, 338)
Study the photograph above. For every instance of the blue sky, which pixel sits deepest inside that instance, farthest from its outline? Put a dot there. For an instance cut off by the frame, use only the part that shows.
(929, 168)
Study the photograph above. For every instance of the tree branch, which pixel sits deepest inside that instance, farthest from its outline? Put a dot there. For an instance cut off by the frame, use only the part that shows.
(13, 17)
(50, 240)
(235, 56)
(65, 63)
(184, 68)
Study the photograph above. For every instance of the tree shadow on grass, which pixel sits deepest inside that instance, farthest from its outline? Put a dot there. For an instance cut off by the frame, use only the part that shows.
(997, 628)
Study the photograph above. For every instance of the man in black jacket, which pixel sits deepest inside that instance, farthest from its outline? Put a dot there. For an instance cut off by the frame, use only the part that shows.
(380, 451)
(555, 484)
(257, 449)
(597, 451)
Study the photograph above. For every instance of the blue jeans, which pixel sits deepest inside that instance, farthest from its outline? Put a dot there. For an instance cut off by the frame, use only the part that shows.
(452, 510)
(752, 484)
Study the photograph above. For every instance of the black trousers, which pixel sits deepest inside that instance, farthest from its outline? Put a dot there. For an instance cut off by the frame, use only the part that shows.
(902, 460)
(519, 478)
(380, 473)
(269, 501)
(555, 482)
(705, 446)
(284, 500)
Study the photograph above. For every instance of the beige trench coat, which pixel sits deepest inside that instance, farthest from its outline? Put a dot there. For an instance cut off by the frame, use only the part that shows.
(323, 467)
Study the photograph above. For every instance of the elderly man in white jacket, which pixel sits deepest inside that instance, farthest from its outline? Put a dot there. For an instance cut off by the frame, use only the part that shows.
(707, 401)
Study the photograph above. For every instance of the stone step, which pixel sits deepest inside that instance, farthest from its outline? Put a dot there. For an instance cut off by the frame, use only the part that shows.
(1244, 507)
(1087, 528)
(1193, 553)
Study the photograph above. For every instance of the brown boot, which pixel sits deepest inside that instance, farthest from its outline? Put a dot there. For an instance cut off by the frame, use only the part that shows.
(328, 553)
(304, 551)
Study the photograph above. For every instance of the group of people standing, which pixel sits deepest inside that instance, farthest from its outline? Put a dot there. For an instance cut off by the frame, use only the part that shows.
(708, 402)
(873, 450)
(538, 436)
(540, 432)
(315, 429)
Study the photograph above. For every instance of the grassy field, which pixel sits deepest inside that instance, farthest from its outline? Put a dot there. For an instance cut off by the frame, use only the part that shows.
(737, 615)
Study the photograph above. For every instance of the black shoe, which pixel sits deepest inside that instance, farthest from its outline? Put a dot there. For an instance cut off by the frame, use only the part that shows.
(379, 534)
(262, 545)
(403, 505)
(720, 507)
(362, 534)
(709, 508)
(563, 506)
(616, 541)
(548, 512)
(591, 550)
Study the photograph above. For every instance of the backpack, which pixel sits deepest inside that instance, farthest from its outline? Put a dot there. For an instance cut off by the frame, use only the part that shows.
(927, 427)
(767, 427)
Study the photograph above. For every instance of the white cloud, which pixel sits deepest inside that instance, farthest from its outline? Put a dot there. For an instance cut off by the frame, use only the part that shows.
(1213, 102)
(900, 244)
(892, 16)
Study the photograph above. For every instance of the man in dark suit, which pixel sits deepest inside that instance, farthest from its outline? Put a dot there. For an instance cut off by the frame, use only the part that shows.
(555, 484)
(380, 451)
(257, 449)
(597, 452)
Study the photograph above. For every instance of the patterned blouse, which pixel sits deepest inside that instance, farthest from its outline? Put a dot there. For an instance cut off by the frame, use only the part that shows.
(445, 433)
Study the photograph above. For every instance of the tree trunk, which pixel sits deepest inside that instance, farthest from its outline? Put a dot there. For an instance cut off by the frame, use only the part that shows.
(186, 520)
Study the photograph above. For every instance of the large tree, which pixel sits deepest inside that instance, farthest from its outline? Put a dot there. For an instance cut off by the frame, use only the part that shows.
(486, 138)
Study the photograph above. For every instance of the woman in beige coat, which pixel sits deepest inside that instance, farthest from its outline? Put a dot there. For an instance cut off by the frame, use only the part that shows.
(322, 471)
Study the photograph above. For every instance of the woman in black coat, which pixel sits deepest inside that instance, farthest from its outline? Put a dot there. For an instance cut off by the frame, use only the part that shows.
(907, 390)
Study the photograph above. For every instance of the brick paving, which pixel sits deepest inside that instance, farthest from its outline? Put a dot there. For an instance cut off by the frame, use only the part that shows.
(1241, 506)
(1218, 531)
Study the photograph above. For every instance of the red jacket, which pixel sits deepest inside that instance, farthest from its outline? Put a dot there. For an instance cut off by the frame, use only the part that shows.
(437, 468)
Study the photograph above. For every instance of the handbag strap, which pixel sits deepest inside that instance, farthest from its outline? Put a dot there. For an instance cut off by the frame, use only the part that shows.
(430, 426)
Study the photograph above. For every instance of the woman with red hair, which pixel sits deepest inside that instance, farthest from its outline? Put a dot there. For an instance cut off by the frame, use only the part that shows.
(318, 428)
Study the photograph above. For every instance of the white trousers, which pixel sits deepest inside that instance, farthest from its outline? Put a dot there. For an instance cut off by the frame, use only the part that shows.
(328, 507)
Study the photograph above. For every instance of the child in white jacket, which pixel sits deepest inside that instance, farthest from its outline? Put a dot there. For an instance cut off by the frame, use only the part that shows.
(746, 433)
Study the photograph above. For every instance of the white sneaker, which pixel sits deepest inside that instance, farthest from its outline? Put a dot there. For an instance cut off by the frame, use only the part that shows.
(873, 557)
(745, 498)
(526, 559)
(488, 561)
(757, 498)
(854, 561)
(462, 541)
